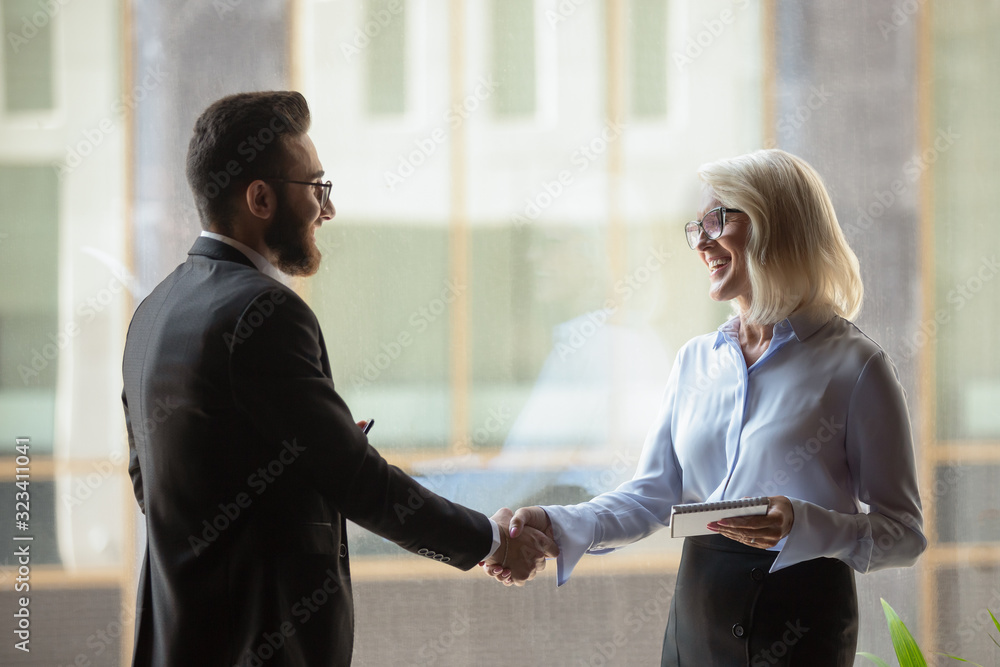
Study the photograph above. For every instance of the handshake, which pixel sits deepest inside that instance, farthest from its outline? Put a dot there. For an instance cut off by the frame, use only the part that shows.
(526, 540)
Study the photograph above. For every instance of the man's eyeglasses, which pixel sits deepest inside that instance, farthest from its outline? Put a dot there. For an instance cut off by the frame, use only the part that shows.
(711, 226)
(321, 190)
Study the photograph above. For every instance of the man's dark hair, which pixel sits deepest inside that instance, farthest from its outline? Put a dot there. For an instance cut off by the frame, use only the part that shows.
(237, 140)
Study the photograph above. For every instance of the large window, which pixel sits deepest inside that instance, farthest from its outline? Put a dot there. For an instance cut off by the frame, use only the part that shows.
(64, 299)
(28, 73)
(963, 459)
(506, 282)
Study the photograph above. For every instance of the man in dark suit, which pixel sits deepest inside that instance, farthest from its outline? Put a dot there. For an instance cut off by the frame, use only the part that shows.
(244, 460)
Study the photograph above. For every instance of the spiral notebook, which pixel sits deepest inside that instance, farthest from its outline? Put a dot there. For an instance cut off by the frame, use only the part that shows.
(691, 518)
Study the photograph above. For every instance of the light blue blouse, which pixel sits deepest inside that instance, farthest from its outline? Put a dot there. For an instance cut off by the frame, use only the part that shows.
(819, 418)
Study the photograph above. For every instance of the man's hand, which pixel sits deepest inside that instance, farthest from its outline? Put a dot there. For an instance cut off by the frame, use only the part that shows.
(525, 542)
(762, 531)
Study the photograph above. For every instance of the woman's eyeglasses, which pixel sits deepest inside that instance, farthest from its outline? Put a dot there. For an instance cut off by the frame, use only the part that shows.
(711, 226)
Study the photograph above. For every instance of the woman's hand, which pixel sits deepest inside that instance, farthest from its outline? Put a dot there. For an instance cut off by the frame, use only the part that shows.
(763, 531)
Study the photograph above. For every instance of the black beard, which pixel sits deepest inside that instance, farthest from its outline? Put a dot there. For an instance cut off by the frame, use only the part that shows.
(288, 238)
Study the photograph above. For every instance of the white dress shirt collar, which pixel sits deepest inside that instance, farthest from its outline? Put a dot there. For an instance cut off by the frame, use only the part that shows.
(258, 259)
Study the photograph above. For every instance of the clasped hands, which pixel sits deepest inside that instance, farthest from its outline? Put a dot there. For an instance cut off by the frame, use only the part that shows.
(526, 540)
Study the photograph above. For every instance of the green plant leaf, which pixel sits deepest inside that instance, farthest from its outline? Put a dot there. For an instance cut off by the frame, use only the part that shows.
(874, 658)
(955, 657)
(907, 651)
(996, 623)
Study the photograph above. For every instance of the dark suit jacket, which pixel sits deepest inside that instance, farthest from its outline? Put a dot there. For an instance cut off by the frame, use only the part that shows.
(246, 464)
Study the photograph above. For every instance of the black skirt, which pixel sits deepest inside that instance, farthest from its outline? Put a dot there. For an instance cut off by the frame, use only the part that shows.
(728, 610)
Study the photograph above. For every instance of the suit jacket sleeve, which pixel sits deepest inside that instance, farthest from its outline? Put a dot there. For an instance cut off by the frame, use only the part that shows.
(281, 383)
(133, 460)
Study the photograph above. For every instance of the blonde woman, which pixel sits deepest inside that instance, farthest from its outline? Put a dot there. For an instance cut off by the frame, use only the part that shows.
(788, 399)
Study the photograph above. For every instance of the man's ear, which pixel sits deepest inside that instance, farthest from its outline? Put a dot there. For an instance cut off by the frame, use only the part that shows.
(262, 201)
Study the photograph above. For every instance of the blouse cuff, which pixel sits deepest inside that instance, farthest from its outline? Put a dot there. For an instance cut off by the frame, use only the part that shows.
(574, 528)
(818, 532)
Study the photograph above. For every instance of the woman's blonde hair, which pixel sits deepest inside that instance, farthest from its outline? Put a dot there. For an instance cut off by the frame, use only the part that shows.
(796, 254)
